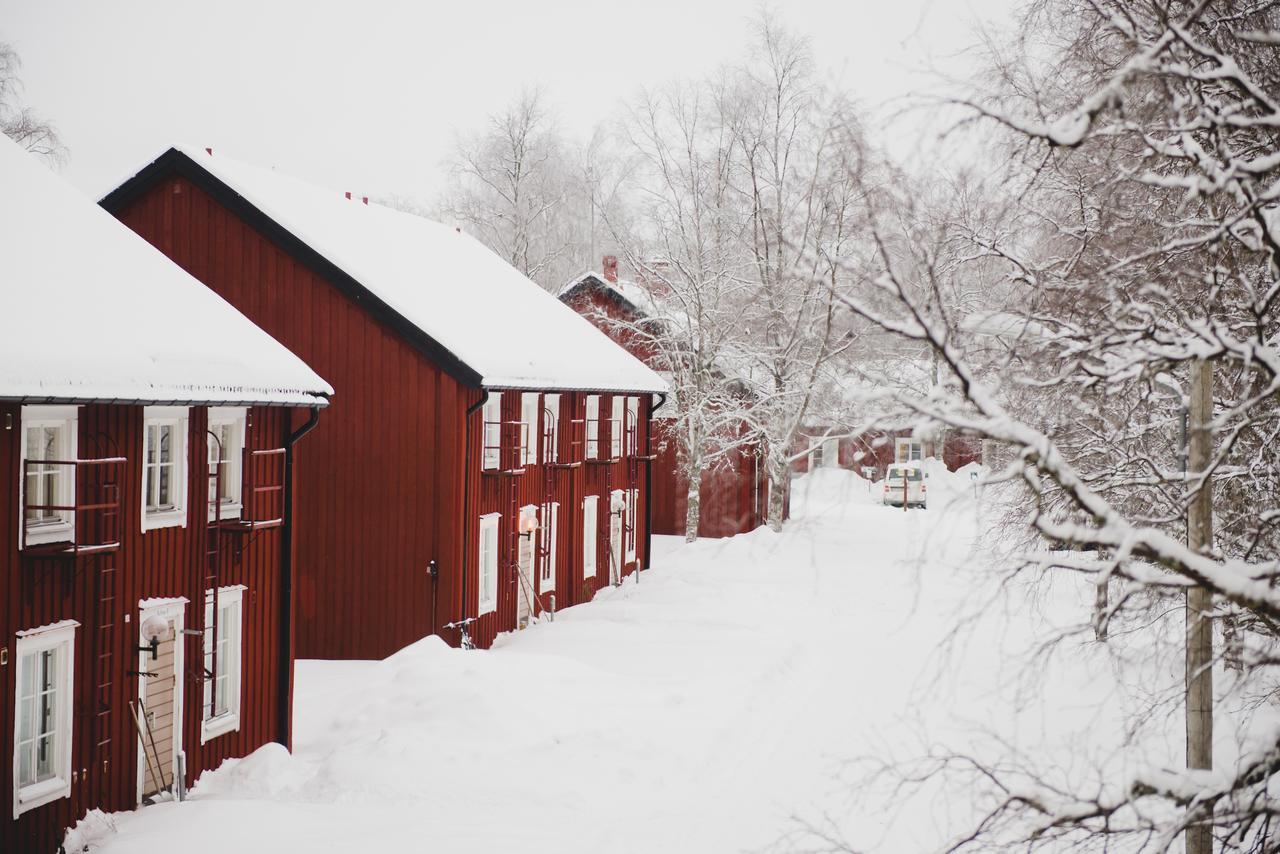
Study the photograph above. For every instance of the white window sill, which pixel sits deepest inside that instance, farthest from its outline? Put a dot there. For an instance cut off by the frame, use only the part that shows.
(39, 794)
(228, 512)
(547, 585)
(221, 725)
(60, 532)
(164, 519)
(486, 608)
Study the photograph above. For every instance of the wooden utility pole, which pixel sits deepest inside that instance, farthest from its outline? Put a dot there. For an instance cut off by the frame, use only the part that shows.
(1199, 839)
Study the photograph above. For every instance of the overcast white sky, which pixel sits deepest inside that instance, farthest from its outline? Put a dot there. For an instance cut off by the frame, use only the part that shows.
(367, 96)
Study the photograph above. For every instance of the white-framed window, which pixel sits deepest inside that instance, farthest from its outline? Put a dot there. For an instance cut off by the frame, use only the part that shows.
(487, 564)
(226, 458)
(590, 535)
(551, 427)
(550, 535)
(593, 426)
(42, 725)
(221, 703)
(529, 428)
(632, 428)
(632, 501)
(492, 432)
(616, 428)
(164, 467)
(48, 433)
(908, 450)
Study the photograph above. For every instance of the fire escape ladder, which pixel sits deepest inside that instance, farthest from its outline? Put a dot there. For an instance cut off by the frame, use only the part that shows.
(212, 579)
(106, 645)
(512, 500)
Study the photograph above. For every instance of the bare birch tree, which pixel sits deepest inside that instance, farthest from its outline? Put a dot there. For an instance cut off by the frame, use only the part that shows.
(799, 158)
(20, 123)
(1147, 136)
(692, 265)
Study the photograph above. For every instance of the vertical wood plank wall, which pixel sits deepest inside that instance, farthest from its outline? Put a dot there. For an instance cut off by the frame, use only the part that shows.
(168, 562)
(379, 481)
(728, 494)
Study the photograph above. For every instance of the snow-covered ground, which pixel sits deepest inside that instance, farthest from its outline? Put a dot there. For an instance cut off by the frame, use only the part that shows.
(722, 704)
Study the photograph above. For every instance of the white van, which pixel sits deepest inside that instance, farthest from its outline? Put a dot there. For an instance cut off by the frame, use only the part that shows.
(904, 484)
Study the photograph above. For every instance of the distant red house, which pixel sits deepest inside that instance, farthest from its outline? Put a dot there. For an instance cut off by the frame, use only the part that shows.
(832, 446)
(146, 490)
(733, 493)
(487, 456)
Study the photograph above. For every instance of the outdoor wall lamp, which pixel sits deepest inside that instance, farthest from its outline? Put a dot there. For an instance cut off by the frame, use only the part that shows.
(153, 631)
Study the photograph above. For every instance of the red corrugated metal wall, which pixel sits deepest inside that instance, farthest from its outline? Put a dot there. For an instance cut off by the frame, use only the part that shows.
(168, 562)
(379, 482)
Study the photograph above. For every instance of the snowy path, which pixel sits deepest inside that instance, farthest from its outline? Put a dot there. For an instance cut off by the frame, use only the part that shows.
(697, 711)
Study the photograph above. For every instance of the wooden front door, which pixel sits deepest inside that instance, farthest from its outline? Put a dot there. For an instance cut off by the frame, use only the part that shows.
(160, 693)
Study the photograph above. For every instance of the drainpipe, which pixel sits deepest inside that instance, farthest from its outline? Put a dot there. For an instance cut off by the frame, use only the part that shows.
(648, 487)
(466, 496)
(285, 724)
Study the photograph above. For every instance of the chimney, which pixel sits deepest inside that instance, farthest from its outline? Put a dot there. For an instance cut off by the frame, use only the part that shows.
(610, 265)
(209, 151)
(364, 199)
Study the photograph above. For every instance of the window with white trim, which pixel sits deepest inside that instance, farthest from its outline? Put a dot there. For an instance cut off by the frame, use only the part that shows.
(632, 501)
(221, 704)
(615, 427)
(226, 457)
(164, 467)
(909, 450)
(550, 533)
(593, 426)
(632, 428)
(48, 433)
(529, 428)
(42, 742)
(590, 535)
(551, 428)
(487, 564)
(492, 433)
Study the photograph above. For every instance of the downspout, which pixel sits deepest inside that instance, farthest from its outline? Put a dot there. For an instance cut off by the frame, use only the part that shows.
(466, 496)
(648, 486)
(285, 723)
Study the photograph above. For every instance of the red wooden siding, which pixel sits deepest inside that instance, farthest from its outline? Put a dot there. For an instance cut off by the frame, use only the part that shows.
(168, 562)
(382, 479)
(379, 481)
(502, 491)
(730, 495)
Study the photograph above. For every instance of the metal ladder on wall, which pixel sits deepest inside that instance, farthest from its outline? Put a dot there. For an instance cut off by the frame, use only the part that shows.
(106, 579)
(213, 579)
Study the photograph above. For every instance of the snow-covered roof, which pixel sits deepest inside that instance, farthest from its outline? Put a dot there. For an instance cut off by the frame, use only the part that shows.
(90, 312)
(460, 295)
(636, 297)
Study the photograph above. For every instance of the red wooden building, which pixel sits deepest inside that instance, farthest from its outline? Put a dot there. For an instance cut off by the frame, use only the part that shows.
(733, 494)
(832, 446)
(488, 460)
(146, 449)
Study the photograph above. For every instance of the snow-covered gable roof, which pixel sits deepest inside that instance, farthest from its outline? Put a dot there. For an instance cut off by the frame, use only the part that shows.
(477, 313)
(91, 312)
(632, 297)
